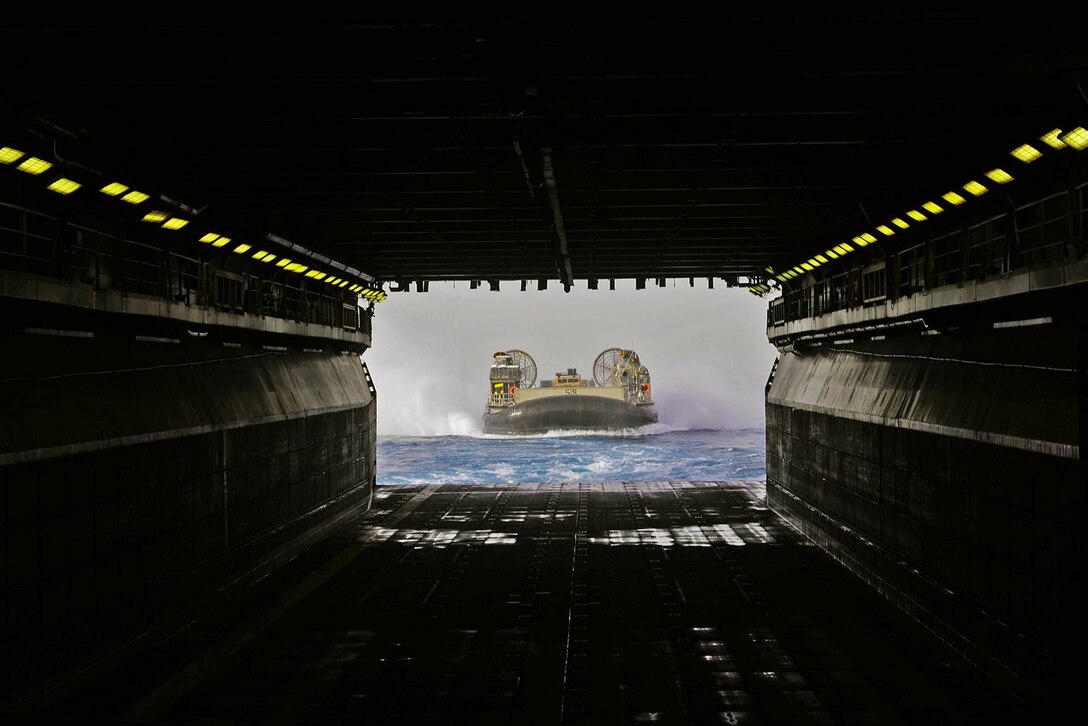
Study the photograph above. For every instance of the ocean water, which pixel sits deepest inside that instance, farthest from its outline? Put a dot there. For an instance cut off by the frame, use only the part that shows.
(652, 453)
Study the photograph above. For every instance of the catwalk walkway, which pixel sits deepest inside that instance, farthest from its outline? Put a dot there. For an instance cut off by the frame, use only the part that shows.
(625, 603)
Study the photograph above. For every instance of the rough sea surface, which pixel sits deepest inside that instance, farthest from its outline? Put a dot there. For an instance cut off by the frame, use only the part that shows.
(653, 453)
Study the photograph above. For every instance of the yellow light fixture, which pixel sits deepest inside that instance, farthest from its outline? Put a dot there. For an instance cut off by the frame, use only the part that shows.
(283, 263)
(916, 215)
(885, 229)
(821, 258)
(268, 257)
(933, 207)
(9, 155)
(242, 248)
(814, 262)
(155, 217)
(221, 242)
(64, 186)
(953, 198)
(840, 249)
(296, 267)
(999, 175)
(175, 223)
(135, 197)
(34, 165)
(1077, 138)
(846, 247)
(975, 188)
(114, 189)
(259, 255)
(1026, 153)
(806, 266)
(867, 237)
(832, 255)
(1051, 139)
(860, 241)
(209, 237)
(900, 223)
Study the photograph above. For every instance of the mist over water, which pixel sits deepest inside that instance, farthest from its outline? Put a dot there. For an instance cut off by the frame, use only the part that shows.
(706, 350)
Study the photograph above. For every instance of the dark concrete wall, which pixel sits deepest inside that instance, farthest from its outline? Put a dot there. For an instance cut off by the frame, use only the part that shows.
(945, 470)
(138, 478)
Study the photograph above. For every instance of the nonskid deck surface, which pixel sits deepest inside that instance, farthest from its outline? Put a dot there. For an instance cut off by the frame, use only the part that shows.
(622, 603)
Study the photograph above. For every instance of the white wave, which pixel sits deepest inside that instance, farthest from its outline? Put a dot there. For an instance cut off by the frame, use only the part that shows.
(601, 465)
(635, 432)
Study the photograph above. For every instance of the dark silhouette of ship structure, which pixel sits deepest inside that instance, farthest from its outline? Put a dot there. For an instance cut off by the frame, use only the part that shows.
(617, 397)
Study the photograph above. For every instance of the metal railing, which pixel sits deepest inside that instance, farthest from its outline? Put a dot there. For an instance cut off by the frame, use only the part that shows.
(39, 244)
(1045, 232)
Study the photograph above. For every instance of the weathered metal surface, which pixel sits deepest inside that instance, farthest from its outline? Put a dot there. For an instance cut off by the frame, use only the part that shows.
(139, 478)
(946, 471)
(1013, 387)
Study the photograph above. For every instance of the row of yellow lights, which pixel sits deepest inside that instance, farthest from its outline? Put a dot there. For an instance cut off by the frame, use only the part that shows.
(35, 166)
(218, 240)
(1076, 139)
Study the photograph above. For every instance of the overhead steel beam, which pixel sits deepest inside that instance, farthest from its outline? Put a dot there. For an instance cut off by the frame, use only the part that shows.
(566, 275)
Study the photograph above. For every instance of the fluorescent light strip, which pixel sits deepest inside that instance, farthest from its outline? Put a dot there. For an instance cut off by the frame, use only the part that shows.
(175, 223)
(1026, 153)
(953, 198)
(34, 165)
(916, 215)
(933, 207)
(242, 248)
(1077, 138)
(135, 197)
(900, 223)
(64, 186)
(9, 155)
(975, 188)
(114, 189)
(999, 175)
(221, 242)
(885, 229)
(155, 217)
(1051, 139)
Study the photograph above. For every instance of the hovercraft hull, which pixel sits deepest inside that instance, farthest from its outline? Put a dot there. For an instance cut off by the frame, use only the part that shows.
(561, 413)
